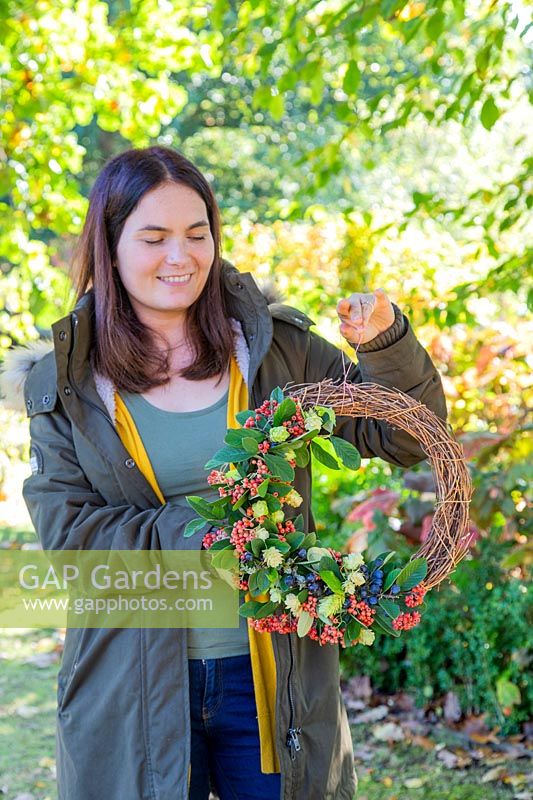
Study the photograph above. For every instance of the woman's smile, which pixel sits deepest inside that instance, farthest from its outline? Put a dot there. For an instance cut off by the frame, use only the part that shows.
(175, 279)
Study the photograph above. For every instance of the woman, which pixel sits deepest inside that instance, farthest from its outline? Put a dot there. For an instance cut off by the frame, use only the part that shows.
(166, 343)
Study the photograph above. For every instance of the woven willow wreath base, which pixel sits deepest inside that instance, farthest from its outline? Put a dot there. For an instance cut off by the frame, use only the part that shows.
(447, 541)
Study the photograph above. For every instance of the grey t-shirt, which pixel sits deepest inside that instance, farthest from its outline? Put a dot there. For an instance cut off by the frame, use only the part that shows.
(179, 444)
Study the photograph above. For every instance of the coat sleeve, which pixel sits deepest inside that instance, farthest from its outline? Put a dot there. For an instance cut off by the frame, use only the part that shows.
(68, 513)
(403, 364)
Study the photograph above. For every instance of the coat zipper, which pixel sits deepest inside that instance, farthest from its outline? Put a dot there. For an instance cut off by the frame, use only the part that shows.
(75, 385)
(292, 741)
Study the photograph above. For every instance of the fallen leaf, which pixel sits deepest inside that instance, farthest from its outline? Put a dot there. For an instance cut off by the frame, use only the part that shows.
(517, 780)
(494, 774)
(414, 783)
(372, 715)
(483, 738)
(404, 701)
(448, 758)
(388, 732)
(423, 741)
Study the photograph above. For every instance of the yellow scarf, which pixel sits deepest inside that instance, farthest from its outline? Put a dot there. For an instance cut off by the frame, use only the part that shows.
(261, 652)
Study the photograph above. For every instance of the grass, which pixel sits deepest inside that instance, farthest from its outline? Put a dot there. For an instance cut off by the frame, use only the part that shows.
(27, 716)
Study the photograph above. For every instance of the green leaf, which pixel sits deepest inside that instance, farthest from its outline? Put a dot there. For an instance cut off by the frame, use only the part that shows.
(258, 582)
(508, 693)
(279, 467)
(221, 544)
(352, 78)
(329, 563)
(435, 25)
(244, 416)
(266, 609)
(235, 437)
(302, 456)
(194, 526)
(413, 572)
(273, 503)
(225, 559)
(389, 607)
(277, 107)
(241, 501)
(250, 445)
(346, 452)
(283, 547)
(295, 539)
(250, 608)
(281, 488)
(210, 511)
(257, 545)
(227, 455)
(263, 487)
(305, 623)
(284, 411)
(331, 580)
(322, 456)
(383, 620)
(298, 522)
(352, 631)
(489, 113)
(390, 578)
(276, 395)
(309, 541)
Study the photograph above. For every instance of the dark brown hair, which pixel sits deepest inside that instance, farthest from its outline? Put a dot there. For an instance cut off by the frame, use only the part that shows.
(126, 351)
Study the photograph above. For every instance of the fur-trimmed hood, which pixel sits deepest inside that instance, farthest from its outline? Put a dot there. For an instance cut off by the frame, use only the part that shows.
(17, 365)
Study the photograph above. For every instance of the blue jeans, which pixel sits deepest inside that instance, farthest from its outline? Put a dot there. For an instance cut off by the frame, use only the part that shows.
(224, 732)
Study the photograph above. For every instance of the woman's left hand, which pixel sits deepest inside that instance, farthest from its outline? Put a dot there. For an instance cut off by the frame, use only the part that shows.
(364, 316)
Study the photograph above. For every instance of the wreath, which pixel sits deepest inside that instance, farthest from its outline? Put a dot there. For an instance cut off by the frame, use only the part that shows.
(289, 582)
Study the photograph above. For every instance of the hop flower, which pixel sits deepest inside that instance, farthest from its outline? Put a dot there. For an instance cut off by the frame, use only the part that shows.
(353, 560)
(357, 578)
(279, 434)
(275, 595)
(293, 499)
(312, 422)
(293, 604)
(261, 533)
(289, 455)
(366, 637)
(272, 557)
(260, 509)
(330, 605)
(277, 516)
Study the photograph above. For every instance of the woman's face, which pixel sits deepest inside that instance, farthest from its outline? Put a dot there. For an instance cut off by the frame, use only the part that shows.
(165, 252)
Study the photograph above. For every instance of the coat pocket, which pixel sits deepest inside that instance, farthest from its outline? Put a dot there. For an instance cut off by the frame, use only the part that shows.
(71, 652)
